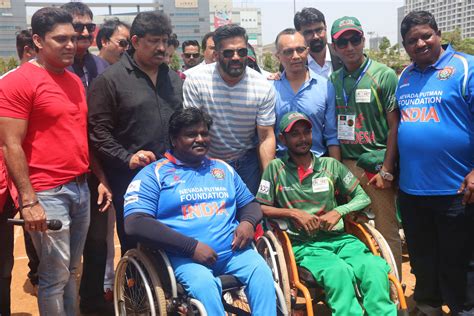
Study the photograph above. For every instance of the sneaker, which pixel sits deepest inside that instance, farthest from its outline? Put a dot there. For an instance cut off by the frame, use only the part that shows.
(109, 295)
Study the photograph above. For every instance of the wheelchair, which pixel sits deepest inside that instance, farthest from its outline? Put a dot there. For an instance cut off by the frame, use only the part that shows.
(299, 288)
(145, 285)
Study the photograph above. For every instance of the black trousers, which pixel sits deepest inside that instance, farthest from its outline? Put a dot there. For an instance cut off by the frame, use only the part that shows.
(94, 257)
(440, 237)
(6, 257)
(119, 181)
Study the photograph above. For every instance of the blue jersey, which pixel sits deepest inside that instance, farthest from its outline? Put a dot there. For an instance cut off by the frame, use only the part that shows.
(197, 202)
(436, 131)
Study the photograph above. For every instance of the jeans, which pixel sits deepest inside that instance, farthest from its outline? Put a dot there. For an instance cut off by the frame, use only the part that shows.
(246, 265)
(109, 266)
(248, 169)
(439, 233)
(60, 251)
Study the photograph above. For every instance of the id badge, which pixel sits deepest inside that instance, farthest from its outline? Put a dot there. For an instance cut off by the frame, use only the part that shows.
(320, 184)
(363, 95)
(346, 127)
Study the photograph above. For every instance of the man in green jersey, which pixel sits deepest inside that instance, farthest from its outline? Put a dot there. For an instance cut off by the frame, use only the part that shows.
(300, 187)
(367, 121)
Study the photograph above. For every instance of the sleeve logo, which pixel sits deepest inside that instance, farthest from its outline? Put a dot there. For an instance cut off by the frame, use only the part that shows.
(348, 178)
(446, 73)
(264, 187)
(134, 186)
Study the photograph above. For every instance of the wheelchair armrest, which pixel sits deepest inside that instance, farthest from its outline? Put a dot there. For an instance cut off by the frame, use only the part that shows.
(278, 223)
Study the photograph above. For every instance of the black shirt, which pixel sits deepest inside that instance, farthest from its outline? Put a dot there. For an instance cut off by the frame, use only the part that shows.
(127, 113)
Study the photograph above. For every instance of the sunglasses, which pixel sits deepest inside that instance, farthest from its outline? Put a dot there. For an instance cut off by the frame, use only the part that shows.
(194, 55)
(318, 31)
(343, 42)
(229, 53)
(290, 51)
(123, 43)
(79, 27)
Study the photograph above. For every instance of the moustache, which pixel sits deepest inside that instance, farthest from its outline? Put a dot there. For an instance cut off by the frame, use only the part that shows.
(204, 145)
(160, 53)
(80, 37)
(316, 45)
(236, 62)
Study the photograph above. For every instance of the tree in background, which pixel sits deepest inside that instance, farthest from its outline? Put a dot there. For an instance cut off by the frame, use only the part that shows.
(390, 55)
(270, 63)
(454, 38)
(175, 65)
(7, 64)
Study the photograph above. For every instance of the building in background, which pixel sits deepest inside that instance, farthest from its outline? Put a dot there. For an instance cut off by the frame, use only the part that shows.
(12, 20)
(449, 14)
(400, 14)
(374, 42)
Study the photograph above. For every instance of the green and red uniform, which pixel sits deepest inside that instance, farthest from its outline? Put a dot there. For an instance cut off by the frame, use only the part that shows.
(334, 258)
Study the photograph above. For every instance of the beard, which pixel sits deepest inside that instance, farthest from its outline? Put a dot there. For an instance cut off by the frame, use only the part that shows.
(233, 72)
(317, 45)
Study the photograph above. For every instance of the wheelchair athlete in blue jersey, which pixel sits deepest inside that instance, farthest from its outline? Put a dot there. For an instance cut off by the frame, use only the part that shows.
(201, 213)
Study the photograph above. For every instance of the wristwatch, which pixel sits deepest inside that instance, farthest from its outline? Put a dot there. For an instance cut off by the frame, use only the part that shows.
(386, 175)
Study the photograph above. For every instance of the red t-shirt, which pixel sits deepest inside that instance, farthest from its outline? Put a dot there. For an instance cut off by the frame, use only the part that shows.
(55, 107)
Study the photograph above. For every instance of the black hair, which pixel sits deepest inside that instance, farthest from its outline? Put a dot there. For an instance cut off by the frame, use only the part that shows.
(190, 43)
(228, 31)
(183, 118)
(287, 31)
(308, 16)
(204, 40)
(107, 30)
(151, 22)
(415, 18)
(44, 20)
(173, 40)
(24, 38)
(77, 8)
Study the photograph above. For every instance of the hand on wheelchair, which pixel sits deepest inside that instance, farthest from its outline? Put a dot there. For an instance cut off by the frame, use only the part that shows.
(328, 220)
(243, 235)
(204, 254)
(306, 221)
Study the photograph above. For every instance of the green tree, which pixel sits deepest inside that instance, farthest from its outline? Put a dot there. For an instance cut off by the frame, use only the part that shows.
(7, 64)
(175, 62)
(270, 63)
(384, 44)
(454, 38)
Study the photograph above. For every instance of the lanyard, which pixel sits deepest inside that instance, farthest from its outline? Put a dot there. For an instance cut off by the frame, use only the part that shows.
(347, 95)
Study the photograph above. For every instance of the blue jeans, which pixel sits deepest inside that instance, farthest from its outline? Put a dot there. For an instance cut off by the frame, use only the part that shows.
(247, 265)
(440, 238)
(248, 169)
(60, 251)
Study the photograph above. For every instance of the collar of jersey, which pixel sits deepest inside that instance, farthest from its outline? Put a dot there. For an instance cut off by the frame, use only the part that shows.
(356, 73)
(442, 61)
(172, 158)
(290, 164)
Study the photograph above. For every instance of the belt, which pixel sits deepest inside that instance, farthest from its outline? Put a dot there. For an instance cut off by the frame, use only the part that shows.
(80, 178)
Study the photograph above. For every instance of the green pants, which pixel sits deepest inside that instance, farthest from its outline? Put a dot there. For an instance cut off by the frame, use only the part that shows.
(338, 261)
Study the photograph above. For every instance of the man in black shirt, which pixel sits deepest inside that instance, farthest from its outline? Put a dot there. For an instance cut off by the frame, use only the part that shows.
(130, 106)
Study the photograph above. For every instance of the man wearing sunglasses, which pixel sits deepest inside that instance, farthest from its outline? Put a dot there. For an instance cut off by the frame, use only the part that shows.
(302, 90)
(367, 121)
(311, 23)
(113, 40)
(241, 102)
(86, 65)
(191, 54)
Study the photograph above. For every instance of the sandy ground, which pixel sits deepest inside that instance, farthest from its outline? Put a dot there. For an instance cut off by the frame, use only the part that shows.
(24, 302)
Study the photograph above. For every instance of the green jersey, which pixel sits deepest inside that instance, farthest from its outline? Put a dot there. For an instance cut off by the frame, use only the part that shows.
(361, 108)
(281, 187)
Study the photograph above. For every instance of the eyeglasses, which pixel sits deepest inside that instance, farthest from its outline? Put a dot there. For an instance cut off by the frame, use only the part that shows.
(290, 51)
(123, 43)
(343, 42)
(229, 53)
(79, 27)
(193, 55)
(318, 31)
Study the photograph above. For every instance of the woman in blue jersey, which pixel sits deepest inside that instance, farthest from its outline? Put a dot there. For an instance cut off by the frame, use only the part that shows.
(201, 213)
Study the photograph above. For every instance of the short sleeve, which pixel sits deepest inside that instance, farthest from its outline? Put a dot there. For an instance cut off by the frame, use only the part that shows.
(389, 84)
(266, 110)
(266, 190)
(191, 95)
(143, 193)
(16, 100)
(242, 193)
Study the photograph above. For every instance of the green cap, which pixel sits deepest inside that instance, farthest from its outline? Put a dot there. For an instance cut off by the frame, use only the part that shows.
(346, 23)
(290, 118)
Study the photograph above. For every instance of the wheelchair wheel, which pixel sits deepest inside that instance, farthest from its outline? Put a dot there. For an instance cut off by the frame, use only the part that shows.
(137, 289)
(271, 250)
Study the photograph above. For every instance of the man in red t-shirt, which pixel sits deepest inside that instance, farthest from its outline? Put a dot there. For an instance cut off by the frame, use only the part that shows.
(43, 134)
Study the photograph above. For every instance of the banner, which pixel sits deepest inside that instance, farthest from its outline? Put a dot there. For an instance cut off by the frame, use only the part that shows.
(222, 18)
(5, 4)
(185, 3)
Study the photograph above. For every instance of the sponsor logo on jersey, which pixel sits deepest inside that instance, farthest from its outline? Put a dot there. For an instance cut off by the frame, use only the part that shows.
(423, 115)
(218, 173)
(134, 186)
(205, 209)
(348, 178)
(264, 187)
(446, 73)
(130, 199)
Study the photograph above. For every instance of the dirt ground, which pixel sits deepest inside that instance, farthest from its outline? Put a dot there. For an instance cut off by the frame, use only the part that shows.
(24, 301)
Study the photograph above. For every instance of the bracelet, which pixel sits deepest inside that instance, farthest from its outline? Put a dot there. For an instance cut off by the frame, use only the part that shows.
(29, 204)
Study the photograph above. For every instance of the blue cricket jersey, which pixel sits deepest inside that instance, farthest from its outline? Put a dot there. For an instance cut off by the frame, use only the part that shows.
(436, 131)
(197, 202)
